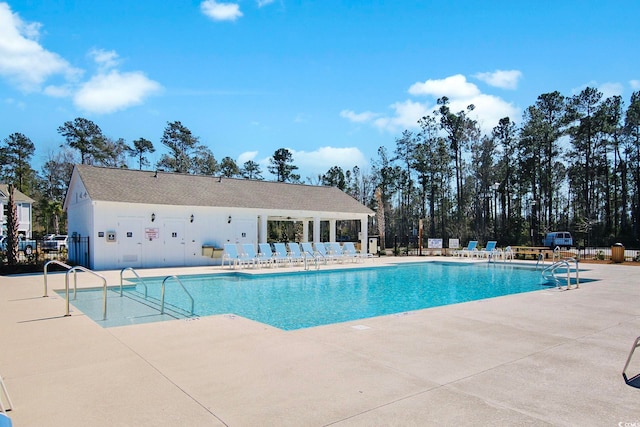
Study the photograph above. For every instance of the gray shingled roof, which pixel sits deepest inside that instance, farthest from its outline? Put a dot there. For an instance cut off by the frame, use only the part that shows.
(17, 195)
(133, 186)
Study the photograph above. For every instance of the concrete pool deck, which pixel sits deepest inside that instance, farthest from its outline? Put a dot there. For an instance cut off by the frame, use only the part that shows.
(539, 358)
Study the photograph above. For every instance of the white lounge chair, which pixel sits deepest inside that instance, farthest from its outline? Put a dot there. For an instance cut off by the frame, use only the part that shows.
(249, 254)
(280, 254)
(349, 249)
(266, 255)
(321, 249)
(488, 250)
(294, 253)
(309, 252)
(469, 250)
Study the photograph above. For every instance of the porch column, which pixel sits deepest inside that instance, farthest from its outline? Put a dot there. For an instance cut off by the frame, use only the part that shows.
(332, 230)
(316, 230)
(364, 235)
(262, 229)
(305, 230)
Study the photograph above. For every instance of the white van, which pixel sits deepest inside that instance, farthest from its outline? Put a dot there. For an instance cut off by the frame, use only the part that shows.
(558, 238)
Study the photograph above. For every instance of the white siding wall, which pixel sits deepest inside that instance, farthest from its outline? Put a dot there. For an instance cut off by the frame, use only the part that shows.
(171, 239)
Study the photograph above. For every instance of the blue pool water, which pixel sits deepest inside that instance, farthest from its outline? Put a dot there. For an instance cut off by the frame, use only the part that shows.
(304, 299)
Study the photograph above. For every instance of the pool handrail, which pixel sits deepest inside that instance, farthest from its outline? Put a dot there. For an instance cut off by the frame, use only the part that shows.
(139, 278)
(183, 288)
(46, 265)
(86, 270)
(550, 272)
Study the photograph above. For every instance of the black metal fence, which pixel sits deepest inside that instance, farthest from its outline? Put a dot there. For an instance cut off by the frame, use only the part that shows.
(79, 251)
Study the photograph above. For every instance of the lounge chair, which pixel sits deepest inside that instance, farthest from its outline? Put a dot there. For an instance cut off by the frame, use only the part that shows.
(321, 249)
(249, 254)
(468, 251)
(230, 255)
(280, 254)
(488, 251)
(236, 258)
(309, 252)
(294, 253)
(349, 249)
(507, 254)
(335, 250)
(266, 255)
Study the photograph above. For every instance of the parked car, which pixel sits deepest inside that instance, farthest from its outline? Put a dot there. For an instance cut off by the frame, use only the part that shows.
(558, 238)
(56, 243)
(24, 245)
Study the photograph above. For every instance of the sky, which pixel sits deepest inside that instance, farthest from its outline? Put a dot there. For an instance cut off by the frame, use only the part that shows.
(331, 81)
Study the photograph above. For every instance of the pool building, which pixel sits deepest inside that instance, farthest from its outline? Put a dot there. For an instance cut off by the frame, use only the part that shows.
(121, 218)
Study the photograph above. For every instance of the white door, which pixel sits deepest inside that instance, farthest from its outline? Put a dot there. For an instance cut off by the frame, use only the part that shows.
(174, 243)
(129, 240)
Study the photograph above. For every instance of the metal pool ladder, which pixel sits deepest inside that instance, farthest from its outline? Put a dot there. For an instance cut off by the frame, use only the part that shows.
(635, 345)
(183, 288)
(6, 396)
(136, 274)
(549, 273)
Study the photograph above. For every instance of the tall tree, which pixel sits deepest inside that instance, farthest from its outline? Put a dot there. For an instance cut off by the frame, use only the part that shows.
(86, 137)
(15, 159)
(141, 147)
(251, 170)
(12, 228)
(229, 168)
(181, 144)
(281, 165)
(632, 151)
(583, 108)
(460, 129)
(115, 152)
(204, 162)
(334, 177)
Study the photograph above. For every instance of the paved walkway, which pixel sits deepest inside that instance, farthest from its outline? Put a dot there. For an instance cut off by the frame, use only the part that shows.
(540, 358)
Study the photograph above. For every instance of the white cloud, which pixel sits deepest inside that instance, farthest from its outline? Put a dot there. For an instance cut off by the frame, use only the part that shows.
(23, 61)
(358, 117)
(504, 79)
(113, 91)
(610, 89)
(106, 60)
(635, 84)
(264, 2)
(319, 161)
(405, 115)
(312, 163)
(246, 156)
(220, 11)
(455, 86)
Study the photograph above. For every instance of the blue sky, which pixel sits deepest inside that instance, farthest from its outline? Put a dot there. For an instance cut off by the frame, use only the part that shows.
(330, 80)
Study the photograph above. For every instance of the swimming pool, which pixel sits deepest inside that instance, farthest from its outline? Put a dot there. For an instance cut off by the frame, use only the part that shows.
(305, 299)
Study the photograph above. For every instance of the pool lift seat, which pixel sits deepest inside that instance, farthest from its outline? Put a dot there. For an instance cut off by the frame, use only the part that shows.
(635, 380)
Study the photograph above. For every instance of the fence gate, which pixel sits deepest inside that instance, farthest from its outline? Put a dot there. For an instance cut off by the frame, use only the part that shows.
(79, 251)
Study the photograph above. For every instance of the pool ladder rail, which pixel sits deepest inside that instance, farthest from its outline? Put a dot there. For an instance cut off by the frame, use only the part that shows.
(635, 380)
(77, 268)
(550, 273)
(5, 396)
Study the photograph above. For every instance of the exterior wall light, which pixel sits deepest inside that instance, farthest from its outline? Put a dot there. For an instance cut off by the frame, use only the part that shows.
(191, 218)
(153, 217)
